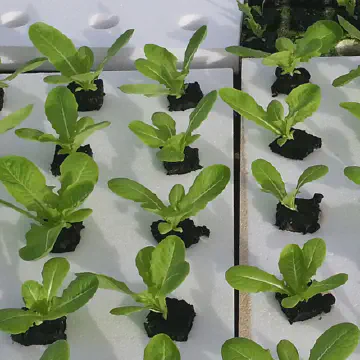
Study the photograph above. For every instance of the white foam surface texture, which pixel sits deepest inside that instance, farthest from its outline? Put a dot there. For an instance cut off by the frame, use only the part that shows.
(118, 228)
(166, 23)
(340, 133)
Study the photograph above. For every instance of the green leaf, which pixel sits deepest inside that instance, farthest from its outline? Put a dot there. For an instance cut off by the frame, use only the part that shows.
(161, 347)
(345, 79)
(253, 280)
(287, 351)
(246, 106)
(28, 66)
(336, 343)
(57, 79)
(207, 186)
(291, 301)
(246, 52)
(268, 178)
(193, 46)
(39, 241)
(16, 321)
(109, 283)
(353, 174)
(61, 111)
(283, 59)
(131, 190)
(85, 133)
(14, 119)
(54, 274)
(57, 351)
(191, 139)
(305, 50)
(164, 228)
(243, 349)
(314, 252)
(292, 267)
(120, 42)
(145, 89)
(147, 134)
(82, 79)
(86, 57)
(165, 123)
(32, 292)
(352, 107)
(78, 216)
(161, 56)
(312, 173)
(284, 44)
(83, 123)
(275, 113)
(349, 28)
(245, 8)
(331, 283)
(143, 264)
(75, 296)
(126, 310)
(35, 135)
(75, 195)
(153, 71)
(3, 85)
(168, 266)
(176, 194)
(58, 48)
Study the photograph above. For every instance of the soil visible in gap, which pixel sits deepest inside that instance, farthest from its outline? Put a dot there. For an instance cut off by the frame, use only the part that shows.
(191, 163)
(305, 220)
(267, 43)
(191, 233)
(2, 96)
(68, 239)
(284, 84)
(189, 100)
(299, 148)
(59, 158)
(302, 18)
(89, 100)
(178, 323)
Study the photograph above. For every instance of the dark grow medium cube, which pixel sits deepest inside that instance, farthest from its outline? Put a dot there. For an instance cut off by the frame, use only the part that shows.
(68, 239)
(299, 148)
(191, 233)
(191, 163)
(305, 310)
(89, 100)
(178, 323)
(44, 334)
(59, 158)
(304, 220)
(2, 95)
(189, 100)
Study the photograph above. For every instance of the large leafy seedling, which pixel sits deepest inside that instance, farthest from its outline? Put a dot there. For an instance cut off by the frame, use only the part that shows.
(163, 268)
(318, 39)
(61, 112)
(14, 119)
(297, 267)
(303, 101)
(51, 211)
(163, 134)
(336, 343)
(249, 20)
(160, 65)
(206, 187)
(73, 64)
(271, 182)
(42, 302)
(59, 350)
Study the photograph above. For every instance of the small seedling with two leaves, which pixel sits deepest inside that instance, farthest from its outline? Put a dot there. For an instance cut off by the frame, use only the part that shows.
(163, 268)
(160, 65)
(59, 350)
(303, 101)
(271, 182)
(161, 347)
(61, 112)
(74, 64)
(297, 267)
(249, 20)
(338, 342)
(41, 300)
(163, 134)
(14, 119)
(206, 187)
(51, 211)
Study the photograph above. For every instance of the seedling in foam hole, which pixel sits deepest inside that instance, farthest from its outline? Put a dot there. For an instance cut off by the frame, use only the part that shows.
(338, 342)
(249, 20)
(53, 211)
(57, 351)
(41, 301)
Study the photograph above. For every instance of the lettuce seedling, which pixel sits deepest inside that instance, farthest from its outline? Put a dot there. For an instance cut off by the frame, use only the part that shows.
(51, 211)
(249, 20)
(318, 39)
(73, 64)
(207, 186)
(163, 134)
(297, 267)
(303, 101)
(161, 347)
(271, 182)
(338, 342)
(61, 112)
(163, 268)
(59, 350)
(160, 65)
(14, 119)
(349, 6)
(42, 302)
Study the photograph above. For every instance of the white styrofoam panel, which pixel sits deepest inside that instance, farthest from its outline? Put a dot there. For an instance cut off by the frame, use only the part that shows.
(118, 228)
(166, 23)
(340, 133)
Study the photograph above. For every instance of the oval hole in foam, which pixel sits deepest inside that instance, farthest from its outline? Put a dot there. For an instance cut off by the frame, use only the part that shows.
(192, 21)
(14, 19)
(103, 21)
